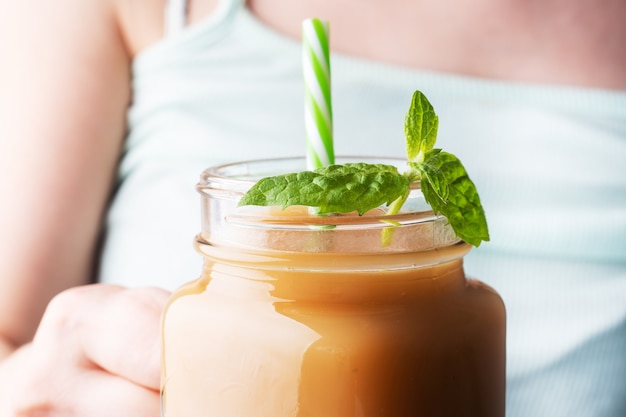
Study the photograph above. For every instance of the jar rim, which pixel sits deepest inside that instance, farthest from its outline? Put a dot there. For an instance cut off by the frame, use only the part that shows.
(227, 183)
(232, 180)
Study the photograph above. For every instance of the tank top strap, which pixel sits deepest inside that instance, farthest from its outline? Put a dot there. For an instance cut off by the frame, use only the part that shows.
(175, 16)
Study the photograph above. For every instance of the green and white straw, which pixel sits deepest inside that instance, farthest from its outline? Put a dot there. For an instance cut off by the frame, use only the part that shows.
(318, 112)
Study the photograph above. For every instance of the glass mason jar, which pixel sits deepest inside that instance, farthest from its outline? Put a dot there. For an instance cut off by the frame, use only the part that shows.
(298, 315)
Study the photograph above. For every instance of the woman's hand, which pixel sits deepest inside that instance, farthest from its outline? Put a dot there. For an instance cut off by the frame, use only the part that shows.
(96, 353)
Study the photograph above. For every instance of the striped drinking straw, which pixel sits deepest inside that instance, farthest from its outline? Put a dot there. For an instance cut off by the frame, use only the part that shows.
(318, 112)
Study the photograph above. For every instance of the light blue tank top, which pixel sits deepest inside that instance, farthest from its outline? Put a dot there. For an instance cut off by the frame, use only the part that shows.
(549, 163)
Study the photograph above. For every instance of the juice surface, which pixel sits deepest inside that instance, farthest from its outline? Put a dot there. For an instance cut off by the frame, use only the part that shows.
(274, 341)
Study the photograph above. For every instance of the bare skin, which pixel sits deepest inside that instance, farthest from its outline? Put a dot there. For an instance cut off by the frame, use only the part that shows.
(559, 42)
(65, 89)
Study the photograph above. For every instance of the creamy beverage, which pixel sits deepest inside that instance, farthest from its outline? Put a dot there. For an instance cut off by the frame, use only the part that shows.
(299, 315)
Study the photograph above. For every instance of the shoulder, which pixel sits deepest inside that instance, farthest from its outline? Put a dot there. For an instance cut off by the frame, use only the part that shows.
(140, 22)
(127, 24)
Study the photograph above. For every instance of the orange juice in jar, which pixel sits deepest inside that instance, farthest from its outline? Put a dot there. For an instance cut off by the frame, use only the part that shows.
(296, 314)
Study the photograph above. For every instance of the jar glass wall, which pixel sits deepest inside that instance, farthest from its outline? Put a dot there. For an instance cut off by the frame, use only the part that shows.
(296, 314)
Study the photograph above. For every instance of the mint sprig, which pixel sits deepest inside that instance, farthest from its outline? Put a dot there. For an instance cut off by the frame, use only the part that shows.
(361, 187)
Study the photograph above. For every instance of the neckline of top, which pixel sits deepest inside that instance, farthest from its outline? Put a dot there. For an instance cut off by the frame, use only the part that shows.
(234, 12)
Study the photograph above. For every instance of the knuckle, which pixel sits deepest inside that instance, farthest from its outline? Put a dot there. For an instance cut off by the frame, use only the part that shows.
(62, 311)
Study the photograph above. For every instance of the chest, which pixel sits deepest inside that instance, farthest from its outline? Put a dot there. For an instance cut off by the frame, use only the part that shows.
(572, 43)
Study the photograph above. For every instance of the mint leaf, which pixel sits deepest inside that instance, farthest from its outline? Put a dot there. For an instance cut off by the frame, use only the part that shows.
(420, 127)
(333, 189)
(449, 190)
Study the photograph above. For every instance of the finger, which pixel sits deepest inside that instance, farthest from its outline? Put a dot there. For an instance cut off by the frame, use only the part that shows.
(105, 395)
(94, 393)
(124, 337)
(116, 329)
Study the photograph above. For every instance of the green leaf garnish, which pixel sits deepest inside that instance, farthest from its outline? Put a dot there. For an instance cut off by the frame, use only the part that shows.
(420, 127)
(333, 189)
(361, 187)
(449, 190)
